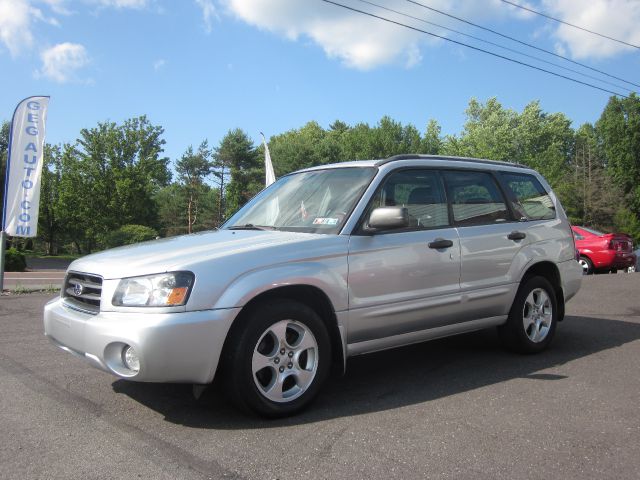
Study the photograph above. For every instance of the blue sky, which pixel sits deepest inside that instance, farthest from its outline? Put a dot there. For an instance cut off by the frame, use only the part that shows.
(199, 68)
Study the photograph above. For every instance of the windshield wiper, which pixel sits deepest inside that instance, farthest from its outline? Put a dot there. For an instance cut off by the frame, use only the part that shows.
(251, 226)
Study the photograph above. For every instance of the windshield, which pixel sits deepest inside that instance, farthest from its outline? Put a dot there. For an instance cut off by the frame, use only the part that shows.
(318, 201)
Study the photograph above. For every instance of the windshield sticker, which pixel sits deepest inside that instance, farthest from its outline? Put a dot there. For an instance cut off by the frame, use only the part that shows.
(325, 221)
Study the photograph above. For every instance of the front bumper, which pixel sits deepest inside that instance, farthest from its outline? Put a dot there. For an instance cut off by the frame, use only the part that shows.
(172, 347)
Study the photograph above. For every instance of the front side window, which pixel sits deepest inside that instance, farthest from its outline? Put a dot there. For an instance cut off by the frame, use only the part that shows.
(421, 192)
(475, 198)
(317, 201)
(531, 200)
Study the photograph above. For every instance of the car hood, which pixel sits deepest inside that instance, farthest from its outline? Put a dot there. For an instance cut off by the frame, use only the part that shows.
(178, 253)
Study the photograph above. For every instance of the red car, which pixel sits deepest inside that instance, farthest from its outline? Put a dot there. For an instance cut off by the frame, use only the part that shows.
(603, 252)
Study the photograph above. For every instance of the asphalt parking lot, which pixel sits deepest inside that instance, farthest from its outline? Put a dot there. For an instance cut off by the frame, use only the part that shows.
(455, 408)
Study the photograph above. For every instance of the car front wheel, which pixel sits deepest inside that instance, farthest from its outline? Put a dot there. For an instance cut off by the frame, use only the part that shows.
(278, 358)
(533, 317)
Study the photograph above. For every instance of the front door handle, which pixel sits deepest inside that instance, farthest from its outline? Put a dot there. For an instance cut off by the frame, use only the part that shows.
(440, 243)
(516, 235)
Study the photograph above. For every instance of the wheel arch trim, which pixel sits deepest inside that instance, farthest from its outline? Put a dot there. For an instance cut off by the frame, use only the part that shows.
(315, 298)
(550, 271)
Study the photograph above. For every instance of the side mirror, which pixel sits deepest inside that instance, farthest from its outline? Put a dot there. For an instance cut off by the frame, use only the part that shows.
(388, 218)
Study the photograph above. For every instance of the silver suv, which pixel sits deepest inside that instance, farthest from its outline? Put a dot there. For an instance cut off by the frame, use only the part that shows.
(327, 263)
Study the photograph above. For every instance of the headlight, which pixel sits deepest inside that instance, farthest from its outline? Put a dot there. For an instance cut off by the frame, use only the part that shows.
(162, 290)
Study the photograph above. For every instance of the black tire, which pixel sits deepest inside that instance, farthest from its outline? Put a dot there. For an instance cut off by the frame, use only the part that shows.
(252, 335)
(537, 336)
(587, 265)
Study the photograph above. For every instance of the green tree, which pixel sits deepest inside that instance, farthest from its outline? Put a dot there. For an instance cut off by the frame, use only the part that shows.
(586, 190)
(626, 221)
(75, 207)
(49, 221)
(358, 143)
(489, 131)
(192, 169)
(432, 142)
(543, 141)
(237, 153)
(171, 210)
(129, 234)
(221, 175)
(392, 138)
(535, 138)
(4, 152)
(110, 178)
(301, 148)
(618, 131)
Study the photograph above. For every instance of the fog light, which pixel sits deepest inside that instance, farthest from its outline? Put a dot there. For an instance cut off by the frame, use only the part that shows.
(130, 359)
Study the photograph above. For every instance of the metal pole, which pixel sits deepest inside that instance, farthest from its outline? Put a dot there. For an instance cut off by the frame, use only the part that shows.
(3, 241)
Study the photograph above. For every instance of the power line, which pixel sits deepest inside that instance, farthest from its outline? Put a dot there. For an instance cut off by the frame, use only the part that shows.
(495, 45)
(388, 20)
(520, 41)
(567, 23)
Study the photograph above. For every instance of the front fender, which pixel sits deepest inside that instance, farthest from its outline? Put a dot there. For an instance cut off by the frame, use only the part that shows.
(330, 276)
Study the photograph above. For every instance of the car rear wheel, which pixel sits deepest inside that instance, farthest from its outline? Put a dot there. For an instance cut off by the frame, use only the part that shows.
(533, 317)
(586, 264)
(278, 358)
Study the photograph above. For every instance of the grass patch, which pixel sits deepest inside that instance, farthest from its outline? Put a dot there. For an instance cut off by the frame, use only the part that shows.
(64, 256)
(20, 289)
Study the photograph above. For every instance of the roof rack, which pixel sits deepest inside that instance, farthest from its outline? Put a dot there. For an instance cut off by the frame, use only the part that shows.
(444, 157)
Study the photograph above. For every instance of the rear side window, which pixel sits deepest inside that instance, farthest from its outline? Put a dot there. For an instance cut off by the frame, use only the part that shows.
(475, 198)
(531, 200)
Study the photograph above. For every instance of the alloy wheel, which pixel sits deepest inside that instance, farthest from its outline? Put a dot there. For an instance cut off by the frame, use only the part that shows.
(586, 267)
(285, 361)
(537, 315)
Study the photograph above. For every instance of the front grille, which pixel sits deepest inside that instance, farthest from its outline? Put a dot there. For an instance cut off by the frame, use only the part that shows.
(82, 291)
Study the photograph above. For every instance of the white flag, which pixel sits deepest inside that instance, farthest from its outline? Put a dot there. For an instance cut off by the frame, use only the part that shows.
(268, 166)
(24, 168)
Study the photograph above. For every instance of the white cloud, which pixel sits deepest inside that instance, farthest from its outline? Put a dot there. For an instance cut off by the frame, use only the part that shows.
(615, 18)
(16, 18)
(357, 40)
(159, 64)
(38, 15)
(58, 6)
(135, 4)
(519, 12)
(208, 13)
(15, 26)
(60, 62)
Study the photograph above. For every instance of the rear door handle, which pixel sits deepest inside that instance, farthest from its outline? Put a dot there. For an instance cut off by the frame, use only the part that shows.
(440, 243)
(516, 235)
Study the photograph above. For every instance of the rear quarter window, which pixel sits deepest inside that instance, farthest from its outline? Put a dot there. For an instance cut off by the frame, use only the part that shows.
(529, 198)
